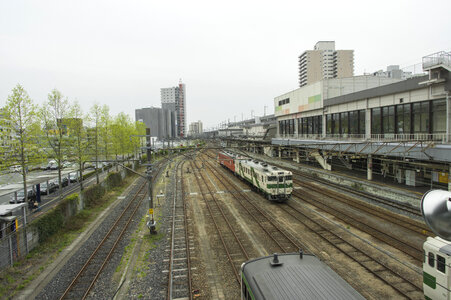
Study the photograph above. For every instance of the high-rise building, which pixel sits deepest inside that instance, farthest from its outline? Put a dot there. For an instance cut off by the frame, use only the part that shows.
(160, 121)
(173, 99)
(325, 62)
(195, 128)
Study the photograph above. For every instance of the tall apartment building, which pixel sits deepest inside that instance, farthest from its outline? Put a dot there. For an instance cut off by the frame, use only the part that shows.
(195, 128)
(325, 62)
(173, 99)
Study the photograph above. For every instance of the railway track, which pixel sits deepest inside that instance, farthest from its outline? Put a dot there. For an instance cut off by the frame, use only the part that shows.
(179, 269)
(233, 247)
(387, 202)
(283, 241)
(84, 281)
(405, 243)
(408, 223)
(381, 269)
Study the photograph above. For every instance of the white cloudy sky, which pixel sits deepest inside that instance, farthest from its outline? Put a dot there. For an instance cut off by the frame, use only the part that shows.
(233, 56)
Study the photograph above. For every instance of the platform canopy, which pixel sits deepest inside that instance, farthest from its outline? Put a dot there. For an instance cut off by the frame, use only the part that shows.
(6, 209)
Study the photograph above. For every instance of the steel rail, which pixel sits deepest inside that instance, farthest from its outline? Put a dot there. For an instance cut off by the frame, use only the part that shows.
(323, 230)
(226, 248)
(346, 217)
(268, 220)
(179, 166)
(74, 281)
(407, 223)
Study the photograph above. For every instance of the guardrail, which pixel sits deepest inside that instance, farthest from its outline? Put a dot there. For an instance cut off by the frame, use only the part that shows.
(439, 58)
(436, 137)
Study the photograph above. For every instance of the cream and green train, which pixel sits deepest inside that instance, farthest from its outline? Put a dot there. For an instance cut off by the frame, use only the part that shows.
(436, 210)
(275, 183)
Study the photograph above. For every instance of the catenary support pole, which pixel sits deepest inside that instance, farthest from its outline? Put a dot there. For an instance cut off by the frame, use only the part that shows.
(151, 224)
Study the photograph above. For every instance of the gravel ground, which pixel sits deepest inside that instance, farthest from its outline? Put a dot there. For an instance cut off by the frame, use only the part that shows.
(152, 282)
(61, 281)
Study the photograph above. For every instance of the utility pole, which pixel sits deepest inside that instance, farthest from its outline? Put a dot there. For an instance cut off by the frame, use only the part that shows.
(151, 224)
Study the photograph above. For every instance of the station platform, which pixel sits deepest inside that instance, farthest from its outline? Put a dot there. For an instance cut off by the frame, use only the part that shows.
(379, 186)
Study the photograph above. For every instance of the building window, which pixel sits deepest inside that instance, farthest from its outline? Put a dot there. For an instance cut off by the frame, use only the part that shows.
(362, 121)
(353, 122)
(329, 124)
(336, 126)
(344, 123)
(421, 117)
(439, 116)
(388, 119)
(376, 121)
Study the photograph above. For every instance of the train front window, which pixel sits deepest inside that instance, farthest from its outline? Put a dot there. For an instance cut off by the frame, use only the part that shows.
(289, 177)
(441, 265)
(271, 178)
(431, 259)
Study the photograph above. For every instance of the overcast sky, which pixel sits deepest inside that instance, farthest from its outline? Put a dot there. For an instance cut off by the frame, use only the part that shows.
(233, 56)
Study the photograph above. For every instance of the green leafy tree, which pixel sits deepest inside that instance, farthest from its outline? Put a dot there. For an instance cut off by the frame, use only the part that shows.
(96, 117)
(122, 129)
(105, 131)
(20, 121)
(140, 130)
(78, 134)
(55, 114)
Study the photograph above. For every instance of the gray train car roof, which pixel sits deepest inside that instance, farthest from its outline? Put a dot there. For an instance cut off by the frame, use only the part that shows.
(306, 278)
(258, 166)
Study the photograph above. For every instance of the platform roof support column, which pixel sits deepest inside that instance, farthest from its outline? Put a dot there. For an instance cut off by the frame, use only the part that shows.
(280, 152)
(448, 117)
(367, 123)
(297, 155)
(449, 178)
(370, 167)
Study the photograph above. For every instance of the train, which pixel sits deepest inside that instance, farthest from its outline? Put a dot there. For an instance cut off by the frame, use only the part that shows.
(292, 276)
(275, 183)
(436, 210)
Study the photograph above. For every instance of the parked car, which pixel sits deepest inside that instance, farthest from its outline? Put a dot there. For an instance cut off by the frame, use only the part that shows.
(67, 164)
(73, 177)
(50, 187)
(15, 168)
(52, 165)
(88, 165)
(64, 180)
(21, 196)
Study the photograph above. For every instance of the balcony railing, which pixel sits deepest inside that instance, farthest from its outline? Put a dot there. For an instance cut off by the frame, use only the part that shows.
(439, 58)
(436, 137)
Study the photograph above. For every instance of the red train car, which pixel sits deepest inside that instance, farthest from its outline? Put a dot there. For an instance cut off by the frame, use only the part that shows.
(227, 159)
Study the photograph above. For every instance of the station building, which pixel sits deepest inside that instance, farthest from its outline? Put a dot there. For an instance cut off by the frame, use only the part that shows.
(392, 127)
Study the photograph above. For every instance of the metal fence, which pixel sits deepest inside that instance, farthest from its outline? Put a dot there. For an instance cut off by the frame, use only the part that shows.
(436, 137)
(439, 58)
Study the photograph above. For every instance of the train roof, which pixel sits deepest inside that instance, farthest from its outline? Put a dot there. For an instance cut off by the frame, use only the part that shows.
(264, 167)
(439, 244)
(295, 278)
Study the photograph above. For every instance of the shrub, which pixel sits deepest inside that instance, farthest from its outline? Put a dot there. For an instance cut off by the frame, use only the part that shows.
(92, 194)
(49, 223)
(113, 180)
